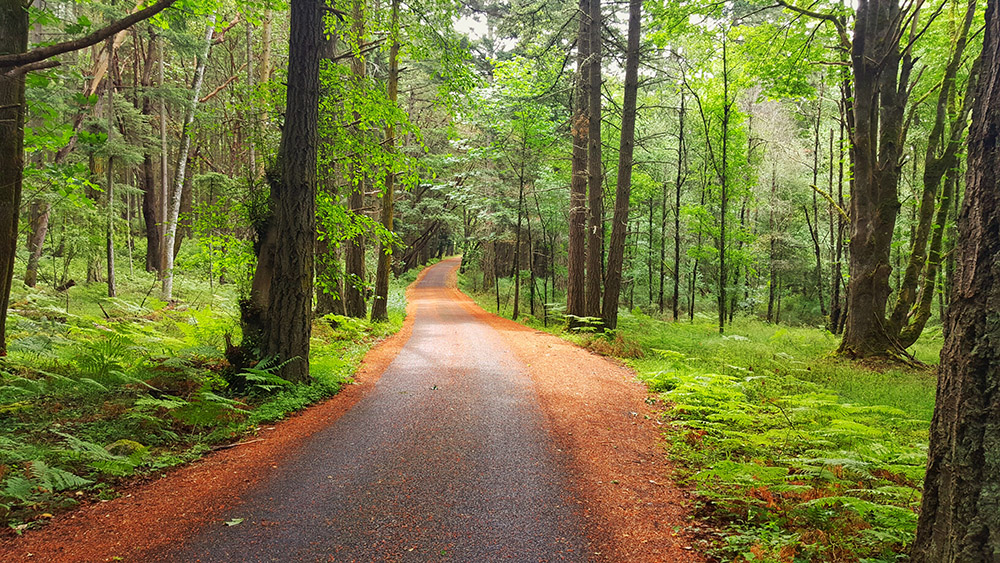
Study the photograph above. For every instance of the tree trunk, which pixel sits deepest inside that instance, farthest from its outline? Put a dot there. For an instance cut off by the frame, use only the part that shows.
(921, 312)
(147, 178)
(661, 304)
(681, 151)
(517, 247)
(277, 319)
(623, 190)
(580, 130)
(772, 259)
(724, 176)
(170, 220)
(38, 227)
(959, 519)
(187, 205)
(881, 81)
(815, 231)
(110, 187)
(380, 300)
(836, 276)
(595, 173)
(14, 39)
(941, 157)
(354, 286)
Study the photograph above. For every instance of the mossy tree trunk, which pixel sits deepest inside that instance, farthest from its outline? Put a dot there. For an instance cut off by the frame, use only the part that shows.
(960, 515)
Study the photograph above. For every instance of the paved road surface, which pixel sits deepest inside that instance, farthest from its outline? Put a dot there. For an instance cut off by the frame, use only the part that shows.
(447, 458)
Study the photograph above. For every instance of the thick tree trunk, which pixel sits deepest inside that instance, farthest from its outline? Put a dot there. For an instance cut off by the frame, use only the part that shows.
(959, 517)
(174, 209)
(380, 300)
(14, 39)
(881, 80)
(277, 319)
(595, 172)
(576, 280)
(623, 190)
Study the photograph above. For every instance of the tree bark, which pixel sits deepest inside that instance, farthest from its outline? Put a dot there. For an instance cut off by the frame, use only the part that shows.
(173, 212)
(595, 173)
(623, 189)
(380, 300)
(959, 517)
(576, 280)
(277, 319)
(13, 40)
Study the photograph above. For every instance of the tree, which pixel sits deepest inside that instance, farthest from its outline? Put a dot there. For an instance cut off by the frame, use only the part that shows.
(380, 299)
(174, 207)
(277, 318)
(576, 298)
(595, 165)
(616, 247)
(882, 70)
(959, 520)
(354, 290)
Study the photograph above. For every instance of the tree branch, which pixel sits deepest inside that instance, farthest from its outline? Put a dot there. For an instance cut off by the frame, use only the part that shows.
(49, 51)
(837, 22)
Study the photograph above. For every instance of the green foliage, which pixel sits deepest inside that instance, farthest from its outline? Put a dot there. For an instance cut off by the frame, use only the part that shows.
(794, 454)
(86, 401)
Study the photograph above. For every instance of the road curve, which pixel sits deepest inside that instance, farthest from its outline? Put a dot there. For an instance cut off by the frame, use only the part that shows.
(447, 458)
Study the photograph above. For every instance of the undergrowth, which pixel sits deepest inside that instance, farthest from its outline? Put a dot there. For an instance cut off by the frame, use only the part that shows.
(109, 390)
(795, 456)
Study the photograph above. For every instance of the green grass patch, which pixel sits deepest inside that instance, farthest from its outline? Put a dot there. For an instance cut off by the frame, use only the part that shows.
(794, 454)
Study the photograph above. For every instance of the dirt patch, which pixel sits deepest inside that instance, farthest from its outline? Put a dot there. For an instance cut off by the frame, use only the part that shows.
(149, 519)
(598, 413)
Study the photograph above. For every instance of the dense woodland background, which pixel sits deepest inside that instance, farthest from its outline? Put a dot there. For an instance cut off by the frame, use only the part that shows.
(742, 165)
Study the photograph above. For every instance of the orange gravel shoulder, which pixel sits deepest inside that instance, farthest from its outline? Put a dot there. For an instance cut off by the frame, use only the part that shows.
(597, 411)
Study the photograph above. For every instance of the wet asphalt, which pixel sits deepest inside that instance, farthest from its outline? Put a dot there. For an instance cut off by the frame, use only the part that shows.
(446, 459)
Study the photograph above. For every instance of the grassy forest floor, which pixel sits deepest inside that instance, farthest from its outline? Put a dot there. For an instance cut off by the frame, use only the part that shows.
(793, 454)
(97, 393)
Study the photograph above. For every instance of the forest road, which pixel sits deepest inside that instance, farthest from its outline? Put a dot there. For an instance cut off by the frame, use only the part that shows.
(447, 458)
(467, 438)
